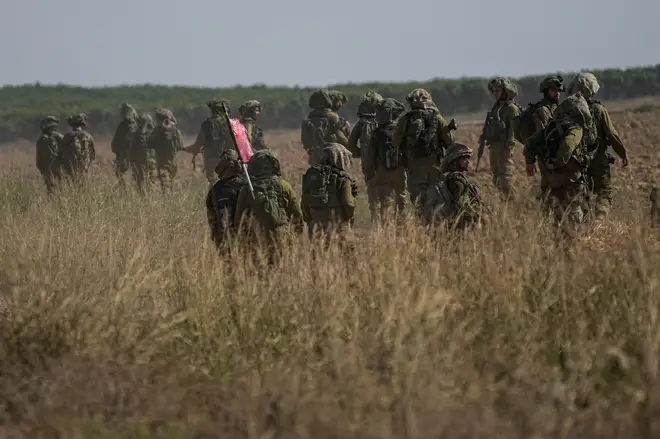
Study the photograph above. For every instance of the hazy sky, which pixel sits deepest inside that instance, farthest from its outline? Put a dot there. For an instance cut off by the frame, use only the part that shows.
(307, 42)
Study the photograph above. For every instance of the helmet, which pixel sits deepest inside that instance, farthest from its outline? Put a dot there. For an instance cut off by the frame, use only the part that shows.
(456, 151)
(216, 105)
(585, 83)
(555, 82)
(420, 98)
(505, 84)
(263, 163)
(49, 122)
(77, 120)
(163, 114)
(576, 108)
(320, 100)
(248, 106)
(127, 111)
(337, 97)
(229, 163)
(145, 120)
(388, 110)
(369, 102)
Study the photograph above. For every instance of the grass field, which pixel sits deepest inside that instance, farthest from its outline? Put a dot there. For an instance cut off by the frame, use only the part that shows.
(127, 324)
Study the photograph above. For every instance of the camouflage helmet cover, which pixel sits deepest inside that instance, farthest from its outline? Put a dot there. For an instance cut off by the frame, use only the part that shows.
(75, 120)
(337, 97)
(555, 82)
(127, 110)
(229, 163)
(163, 114)
(505, 84)
(336, 155)
(145, 120)
(456, 151)
(388, 110)
(248, 106)
(369, 103)
(49, 122)
(320, 100)
(264, 163)
(576, 108)
(420, 98)
(584, 83)
(216, 105)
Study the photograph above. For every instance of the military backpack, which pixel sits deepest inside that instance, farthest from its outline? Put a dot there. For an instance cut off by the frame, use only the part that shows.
(47, 151)
(267, 203)
(315, 131)
(217, 136)
(524, 123)
(422, 132)
(75, 149)
(321, 186)
(554, 134)
(387, 155)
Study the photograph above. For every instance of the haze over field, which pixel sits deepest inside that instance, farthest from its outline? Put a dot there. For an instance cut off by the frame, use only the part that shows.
(94, 43)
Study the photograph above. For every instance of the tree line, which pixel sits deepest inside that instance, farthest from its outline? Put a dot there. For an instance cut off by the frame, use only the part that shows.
(22, 107)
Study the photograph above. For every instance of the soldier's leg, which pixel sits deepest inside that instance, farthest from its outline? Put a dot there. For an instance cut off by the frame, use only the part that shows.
(421, 175)
(600, 173)
(372, 199)
(495, 165)
(400, 181)
(385, 194)
(655, 206)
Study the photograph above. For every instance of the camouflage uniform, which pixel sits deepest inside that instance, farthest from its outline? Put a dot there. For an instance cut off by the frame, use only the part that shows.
(498, 133)
(339, 99)
(166, 140)
(361, 134)
(142, 158)
(121, 141)
(48, 161)
(329, 194)
(249, 115)
(422, 135)
(322, 125)
(561, 147)
(453, 200)
(265, 172)
(223, 196)
(213, 138)
(382, 163)
(77, 149)
(607, 135)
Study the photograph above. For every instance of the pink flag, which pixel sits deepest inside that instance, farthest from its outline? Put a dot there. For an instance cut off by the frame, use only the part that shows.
(242, 140)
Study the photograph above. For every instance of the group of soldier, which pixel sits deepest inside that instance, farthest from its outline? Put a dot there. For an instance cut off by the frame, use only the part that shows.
(408, 156)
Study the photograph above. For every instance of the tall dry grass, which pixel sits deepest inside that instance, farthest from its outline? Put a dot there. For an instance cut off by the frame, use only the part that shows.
(127, 324)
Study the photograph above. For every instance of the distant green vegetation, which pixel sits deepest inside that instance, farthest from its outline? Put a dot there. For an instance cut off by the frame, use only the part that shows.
(21, 107)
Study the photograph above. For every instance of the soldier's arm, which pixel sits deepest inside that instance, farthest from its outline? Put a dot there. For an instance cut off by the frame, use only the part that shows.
(92, 147)
(339, 134)
(347, 200)
(509, 113)
(445, 136)
(369, 158)
(211, 214)
(293, 207)
(541, 118)
(567, 147)
(354, 138)
(530, 151)
(612, 135)
(198, 145)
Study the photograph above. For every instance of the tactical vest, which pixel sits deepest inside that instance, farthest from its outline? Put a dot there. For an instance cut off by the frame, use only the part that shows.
(317, 130)
(140, 145)
(224, 195)
(47, 151)
(439, 201)
(216, 136)
(387, 155)
(75, 147)
(422, 132)
(496, 129)
(368, 127)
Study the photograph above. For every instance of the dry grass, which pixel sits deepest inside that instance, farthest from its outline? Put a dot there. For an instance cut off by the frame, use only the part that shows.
(127, 324)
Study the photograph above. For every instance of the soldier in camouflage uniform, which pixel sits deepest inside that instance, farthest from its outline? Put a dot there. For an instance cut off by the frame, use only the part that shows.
(454, 201)
(561, 146)
(383, 163)
(358, 140)
(213, 138)
(223, 196)
(322, 126)
(600, 160)
(166, 140)
(422, 135)
(142, 158)
(498, 133)
(121, 141)
(77, 149)
(48, 162)
(339, 99)
(329, 195)
(250, 112)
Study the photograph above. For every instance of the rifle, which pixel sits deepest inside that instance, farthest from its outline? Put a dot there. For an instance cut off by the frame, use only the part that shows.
(225, 113)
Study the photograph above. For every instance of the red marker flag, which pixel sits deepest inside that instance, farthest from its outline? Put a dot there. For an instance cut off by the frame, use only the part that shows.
(242, 141)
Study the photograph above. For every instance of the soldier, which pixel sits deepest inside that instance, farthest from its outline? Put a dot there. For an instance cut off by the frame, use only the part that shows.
(383, 163)
(48, 162)
(223, 196)
(142, 157)
(166, 140)
(600, 160)
(274, 205)
(339, 99)
(121, 141)
(359, 139)
(422, 135)
(561, 146)
(213, 138)
(328, 195)
(498, 133)
(250, 112)
(77, 149)
(655, 206)
(322, 126)
(454, 201)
